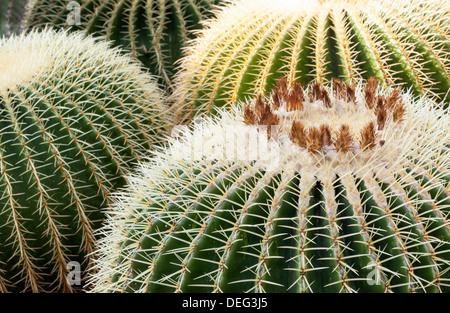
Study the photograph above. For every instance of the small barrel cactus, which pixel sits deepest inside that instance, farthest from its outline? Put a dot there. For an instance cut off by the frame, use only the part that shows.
(252, 43)
(337, 188)
(152, 30)
(11, 15)
(75, 115)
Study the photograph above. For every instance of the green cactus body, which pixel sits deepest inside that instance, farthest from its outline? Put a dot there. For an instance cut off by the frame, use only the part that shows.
(75, 115)
(154, 31)
(252, 43)
(11, 14)
(354, 198)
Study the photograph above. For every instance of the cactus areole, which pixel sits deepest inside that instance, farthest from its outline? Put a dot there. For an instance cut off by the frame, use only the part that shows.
(75, 115)
(252, 43)
(329, 188)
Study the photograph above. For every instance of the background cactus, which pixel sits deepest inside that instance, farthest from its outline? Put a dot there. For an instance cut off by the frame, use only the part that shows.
(349, 192)
(11, 15)
(154, 31)
(74, 117)
(252, 43)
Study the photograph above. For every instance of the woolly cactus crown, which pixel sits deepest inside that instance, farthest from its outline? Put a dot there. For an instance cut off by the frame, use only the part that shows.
(75, 115)
(252, 43)
(153, 31)
(348, 190)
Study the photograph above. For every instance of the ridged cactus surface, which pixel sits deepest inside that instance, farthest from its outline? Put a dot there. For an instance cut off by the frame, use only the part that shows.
(346, 191)
(75, 116)
(11, 15)
(252, 43)
(155, 31)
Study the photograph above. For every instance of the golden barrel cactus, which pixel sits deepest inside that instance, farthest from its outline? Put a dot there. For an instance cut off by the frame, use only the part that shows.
(252, 43)
(338, 188)
(75, 116)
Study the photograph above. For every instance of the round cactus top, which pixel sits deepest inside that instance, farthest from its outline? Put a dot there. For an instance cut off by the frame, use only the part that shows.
(21, 60)
(321, 129)
(251, 44)
(25, 57)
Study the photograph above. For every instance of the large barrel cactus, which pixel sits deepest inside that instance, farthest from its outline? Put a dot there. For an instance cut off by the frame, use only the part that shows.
(11, 15)
(152, 30)
(252, 43)
(340, 188)
(74, 117)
